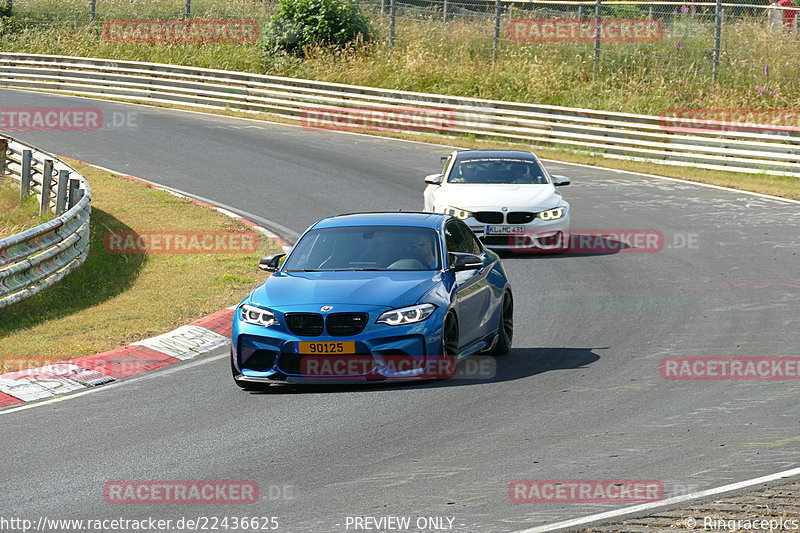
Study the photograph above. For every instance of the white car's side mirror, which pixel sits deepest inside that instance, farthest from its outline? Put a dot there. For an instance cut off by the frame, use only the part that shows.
(559, 181)
(434, 179)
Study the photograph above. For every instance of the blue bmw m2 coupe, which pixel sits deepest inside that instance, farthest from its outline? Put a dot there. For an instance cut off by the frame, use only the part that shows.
(373, 297)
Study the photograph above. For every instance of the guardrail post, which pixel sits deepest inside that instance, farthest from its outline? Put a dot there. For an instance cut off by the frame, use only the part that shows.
(25, 177)
(717, 41)
(498, 9)
(187, 12)
(598, 21)
(3, 156)
(444, 11)
(61, 193)
(92, 10)
(75, 193)
(47, 182)
(392, 16)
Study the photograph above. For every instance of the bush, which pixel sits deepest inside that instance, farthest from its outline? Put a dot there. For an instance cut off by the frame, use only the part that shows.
(623, 12)
(301, 24)
(9, 25)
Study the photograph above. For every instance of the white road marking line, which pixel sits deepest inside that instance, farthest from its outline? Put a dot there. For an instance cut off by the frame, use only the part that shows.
(124, 381)
(663, 503)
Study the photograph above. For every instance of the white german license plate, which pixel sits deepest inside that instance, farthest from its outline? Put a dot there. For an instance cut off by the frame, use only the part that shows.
(505, 230)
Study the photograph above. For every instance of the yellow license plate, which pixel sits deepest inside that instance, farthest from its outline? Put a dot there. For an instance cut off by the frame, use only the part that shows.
(326, 348)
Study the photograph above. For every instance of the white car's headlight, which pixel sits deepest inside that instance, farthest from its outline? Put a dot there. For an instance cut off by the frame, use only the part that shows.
(258, 316)
(407, 315)
(553, 214)
(459, 213)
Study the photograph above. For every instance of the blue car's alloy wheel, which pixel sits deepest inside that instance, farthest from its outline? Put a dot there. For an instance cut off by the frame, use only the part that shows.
(450, 336)
(505, 331)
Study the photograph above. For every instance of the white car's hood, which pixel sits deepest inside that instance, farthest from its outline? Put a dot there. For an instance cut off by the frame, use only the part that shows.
(479, 196)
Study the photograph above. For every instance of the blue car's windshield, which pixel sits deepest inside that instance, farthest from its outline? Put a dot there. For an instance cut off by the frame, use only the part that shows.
(366, 248)
(488, 170)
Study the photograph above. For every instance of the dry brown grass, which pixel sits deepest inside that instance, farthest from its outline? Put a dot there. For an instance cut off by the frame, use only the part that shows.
(15, 216)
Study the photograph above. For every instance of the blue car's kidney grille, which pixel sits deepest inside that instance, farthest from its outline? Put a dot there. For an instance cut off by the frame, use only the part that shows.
(343, 324)
(305, 324)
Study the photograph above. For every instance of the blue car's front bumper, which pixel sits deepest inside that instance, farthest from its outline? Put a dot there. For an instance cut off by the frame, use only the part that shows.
(382, 352)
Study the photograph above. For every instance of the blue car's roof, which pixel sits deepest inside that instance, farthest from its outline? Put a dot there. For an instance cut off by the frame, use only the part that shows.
(391, 218)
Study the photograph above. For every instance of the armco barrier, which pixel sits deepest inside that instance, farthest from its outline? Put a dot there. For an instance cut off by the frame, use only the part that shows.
(618, 135)
(40, 256)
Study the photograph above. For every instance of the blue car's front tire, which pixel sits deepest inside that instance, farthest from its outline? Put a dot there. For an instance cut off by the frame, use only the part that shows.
(505, 328)
(450, 336)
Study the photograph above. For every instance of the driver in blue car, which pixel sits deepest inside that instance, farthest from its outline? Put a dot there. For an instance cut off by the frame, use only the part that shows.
(422, 250)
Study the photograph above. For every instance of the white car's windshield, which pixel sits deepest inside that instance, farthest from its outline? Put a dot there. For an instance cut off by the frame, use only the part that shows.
(497, 171)
(366, 248)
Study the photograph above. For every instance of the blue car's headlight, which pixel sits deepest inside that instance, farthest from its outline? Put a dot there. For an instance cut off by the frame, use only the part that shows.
(258, 316)
(407, 315)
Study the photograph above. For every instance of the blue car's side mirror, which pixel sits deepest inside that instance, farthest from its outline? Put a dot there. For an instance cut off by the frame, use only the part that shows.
(460, 261)
(271, 263)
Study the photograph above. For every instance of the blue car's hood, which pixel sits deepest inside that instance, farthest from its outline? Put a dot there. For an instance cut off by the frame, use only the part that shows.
(386, 288)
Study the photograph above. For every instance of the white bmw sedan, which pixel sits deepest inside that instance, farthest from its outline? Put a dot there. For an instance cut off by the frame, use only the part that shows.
(506, 197)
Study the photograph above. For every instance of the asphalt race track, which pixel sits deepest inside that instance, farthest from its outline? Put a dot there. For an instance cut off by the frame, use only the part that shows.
(579, 397)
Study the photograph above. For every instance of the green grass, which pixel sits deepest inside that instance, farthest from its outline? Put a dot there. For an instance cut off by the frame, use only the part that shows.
(114, 299)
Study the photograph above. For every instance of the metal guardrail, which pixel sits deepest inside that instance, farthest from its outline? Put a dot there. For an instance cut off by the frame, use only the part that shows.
(41, 256)
(619, 135)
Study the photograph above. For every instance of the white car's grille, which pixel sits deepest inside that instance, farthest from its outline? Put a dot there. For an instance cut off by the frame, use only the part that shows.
(520, 217)
(489, 217)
